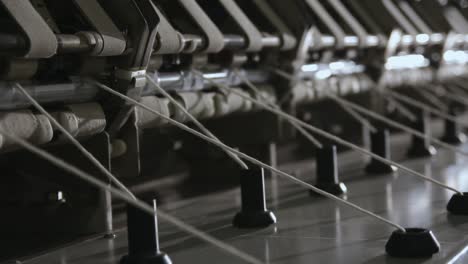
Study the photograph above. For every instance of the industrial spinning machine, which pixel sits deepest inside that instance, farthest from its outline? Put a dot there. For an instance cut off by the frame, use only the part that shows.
(233, 131)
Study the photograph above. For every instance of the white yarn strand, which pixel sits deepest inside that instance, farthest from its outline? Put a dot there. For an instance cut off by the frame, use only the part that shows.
(357, 116)
(426, 107)
(252, 160)
(194, 120)
(355, 147)
(348, 110)
(454, 96)
(400, 126)
(434, 100)
(301, 130)
(344, 142)
(402, 109)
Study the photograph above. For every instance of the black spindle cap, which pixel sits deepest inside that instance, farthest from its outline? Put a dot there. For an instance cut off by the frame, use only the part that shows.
(414, 243)
(458, 204)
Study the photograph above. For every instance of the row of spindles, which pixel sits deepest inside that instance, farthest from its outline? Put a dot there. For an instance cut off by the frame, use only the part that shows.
(142, 228)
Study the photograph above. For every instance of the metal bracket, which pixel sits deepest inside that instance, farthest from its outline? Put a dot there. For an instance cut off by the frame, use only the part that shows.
(42, 42)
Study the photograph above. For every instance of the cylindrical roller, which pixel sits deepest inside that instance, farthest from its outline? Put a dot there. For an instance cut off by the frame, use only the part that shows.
(334, 85)
(302, 93)
(230, 103)
(91, 118)
(343, 85)
(147, 119)
(365, 83)
(349, 84)
(265, 93)
(200, 105)
(22, 124)
(356, 84)
(44, 132)
(67, 120)
(321, 87)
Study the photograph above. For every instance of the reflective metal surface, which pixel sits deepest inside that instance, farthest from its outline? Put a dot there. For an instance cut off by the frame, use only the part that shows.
(311, 229)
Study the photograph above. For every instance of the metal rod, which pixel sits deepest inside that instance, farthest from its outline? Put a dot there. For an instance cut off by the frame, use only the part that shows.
(72, 92)
(79, 91)
(12, 43)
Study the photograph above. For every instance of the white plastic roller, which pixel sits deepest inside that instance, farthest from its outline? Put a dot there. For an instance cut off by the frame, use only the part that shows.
(147, 119)
(67, 120)
(201, 105)
(266, 93)
(302, 93)
(90, 118)
(22, 124)
(230, 103)
(365, 83)
(321, 87)
(82, 119)
(44, 132)
(334, 86)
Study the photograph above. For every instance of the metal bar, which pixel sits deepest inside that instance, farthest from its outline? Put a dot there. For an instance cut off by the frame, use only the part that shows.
(72, 92)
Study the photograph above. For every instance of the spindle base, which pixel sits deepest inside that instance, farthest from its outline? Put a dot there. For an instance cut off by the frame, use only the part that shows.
(377, 167)
(421, 151)
(335, 189)
(110, 236)
(161, 258)
(456, 139)
(254, 219)
(414, 243)
(458, 204)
